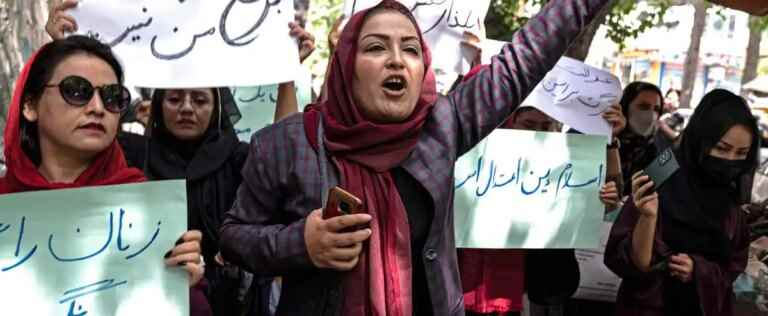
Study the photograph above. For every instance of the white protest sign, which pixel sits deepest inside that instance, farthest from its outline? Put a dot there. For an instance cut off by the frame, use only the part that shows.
(491, 48)
(195, 43)
(443, 23)
(597, 282)
(257, 105)
(524, 189)
(93, 251)
(444, 80)
(577, 94)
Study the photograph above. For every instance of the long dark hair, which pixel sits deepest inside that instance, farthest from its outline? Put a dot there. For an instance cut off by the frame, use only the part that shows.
(43, 67)
(633, 90)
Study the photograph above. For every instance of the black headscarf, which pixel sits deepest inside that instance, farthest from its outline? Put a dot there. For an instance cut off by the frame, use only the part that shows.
(212, 167)
(211, 164)
(172, 158)
(692, 203)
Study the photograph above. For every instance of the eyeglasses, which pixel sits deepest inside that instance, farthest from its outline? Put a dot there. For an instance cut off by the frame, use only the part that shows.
(78, 91)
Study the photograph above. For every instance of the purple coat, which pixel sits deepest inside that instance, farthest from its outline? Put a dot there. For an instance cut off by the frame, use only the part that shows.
(264, 231)
(198, 304)
(641, 294)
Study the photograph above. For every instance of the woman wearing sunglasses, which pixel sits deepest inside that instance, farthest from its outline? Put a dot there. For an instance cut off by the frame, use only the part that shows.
(61, 130)
(191, 136)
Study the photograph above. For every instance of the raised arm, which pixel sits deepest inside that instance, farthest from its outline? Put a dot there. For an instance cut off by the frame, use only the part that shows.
(487, 99)
(287, 102)
(630, 249)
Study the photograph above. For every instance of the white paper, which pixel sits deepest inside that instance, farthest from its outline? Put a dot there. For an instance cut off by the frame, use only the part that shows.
(195, 43)
(597, 283)
(443, 23)
(577, 94)
(257, 105)
(525, 189)
(491, 48)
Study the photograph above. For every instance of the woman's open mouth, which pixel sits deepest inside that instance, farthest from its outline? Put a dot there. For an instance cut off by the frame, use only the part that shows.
(395, 86)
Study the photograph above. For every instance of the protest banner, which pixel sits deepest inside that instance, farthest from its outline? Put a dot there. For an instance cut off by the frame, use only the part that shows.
(195, 43)
(257, 104)
(524, 189)
(597, 282)
(96, 250)
(491, 48)
(577, 94)
(443, 23)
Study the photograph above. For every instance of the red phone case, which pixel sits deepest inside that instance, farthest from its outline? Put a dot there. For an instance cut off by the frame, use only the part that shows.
(337, 197)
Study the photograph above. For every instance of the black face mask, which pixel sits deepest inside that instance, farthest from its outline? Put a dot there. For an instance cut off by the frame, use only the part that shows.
(723, 170)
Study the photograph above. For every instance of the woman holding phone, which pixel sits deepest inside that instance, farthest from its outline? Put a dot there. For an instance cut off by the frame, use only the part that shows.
(679, 247)
(384, 135)
(642, 103)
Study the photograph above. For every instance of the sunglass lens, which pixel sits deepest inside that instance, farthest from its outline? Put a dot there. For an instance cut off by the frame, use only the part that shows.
(76, 90)
(116, 98)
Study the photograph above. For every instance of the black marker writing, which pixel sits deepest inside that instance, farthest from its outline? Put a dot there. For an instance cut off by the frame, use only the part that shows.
(129, 30)
(182, 53)
(240, 40)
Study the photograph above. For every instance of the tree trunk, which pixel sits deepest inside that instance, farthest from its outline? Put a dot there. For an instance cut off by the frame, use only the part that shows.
(753, 52)
(22, 30)
(10, 51)
(580, 47)
(692, 58)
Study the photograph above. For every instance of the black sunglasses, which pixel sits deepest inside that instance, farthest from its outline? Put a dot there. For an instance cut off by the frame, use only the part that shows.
(78, 91)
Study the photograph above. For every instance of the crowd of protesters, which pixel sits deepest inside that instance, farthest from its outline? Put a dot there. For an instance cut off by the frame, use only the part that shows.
(381, 131)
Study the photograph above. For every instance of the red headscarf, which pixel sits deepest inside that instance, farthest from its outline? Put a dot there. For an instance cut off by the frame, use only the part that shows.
(108, 167)
(364, 153)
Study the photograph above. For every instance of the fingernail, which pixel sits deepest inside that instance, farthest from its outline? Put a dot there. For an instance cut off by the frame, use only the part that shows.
(178, 242)
(167, 254)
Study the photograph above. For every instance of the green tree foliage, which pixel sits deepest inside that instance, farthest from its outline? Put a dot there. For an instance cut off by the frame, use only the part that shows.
(322, 14)
(504, 18)
(760, 24)
(621, 27)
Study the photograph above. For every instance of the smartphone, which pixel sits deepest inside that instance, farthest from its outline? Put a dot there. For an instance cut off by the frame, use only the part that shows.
(662, 167)
(341, 202)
